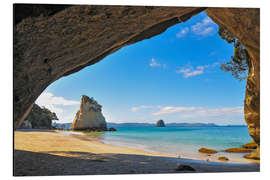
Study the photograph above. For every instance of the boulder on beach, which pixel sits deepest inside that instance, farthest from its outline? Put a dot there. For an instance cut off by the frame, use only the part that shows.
(223, 158)
(89, 117)
(207, 151)
(238, 150)
(250, 145)
(160, 123)
(253, 155)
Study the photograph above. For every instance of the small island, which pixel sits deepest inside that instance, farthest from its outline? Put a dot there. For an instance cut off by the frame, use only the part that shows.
(160, 123)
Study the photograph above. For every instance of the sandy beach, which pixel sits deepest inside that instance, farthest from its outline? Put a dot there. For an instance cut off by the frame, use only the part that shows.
(45, 152)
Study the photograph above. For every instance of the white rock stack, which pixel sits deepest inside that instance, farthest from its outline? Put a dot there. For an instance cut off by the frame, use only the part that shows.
(89, 116)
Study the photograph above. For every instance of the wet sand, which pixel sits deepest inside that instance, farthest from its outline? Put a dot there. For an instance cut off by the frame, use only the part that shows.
(44, 152)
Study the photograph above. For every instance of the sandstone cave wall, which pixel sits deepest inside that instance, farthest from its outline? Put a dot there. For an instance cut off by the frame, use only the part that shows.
(245, 25)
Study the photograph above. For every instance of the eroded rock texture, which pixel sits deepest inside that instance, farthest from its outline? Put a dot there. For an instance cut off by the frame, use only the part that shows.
(89, 116)
(245, 25)
(50, 43)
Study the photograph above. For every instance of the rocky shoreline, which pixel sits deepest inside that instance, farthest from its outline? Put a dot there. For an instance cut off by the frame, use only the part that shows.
(250, 147)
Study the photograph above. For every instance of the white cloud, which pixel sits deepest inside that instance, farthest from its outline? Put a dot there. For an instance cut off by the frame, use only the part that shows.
(189, 112)
(134, 109)
(154, 63)
(207, 21)
(172, 109)
(207, 31)
(219, 111)
(59, 105)
(189, 70)
(48, 98)
(67, 115)
(203, 28)
(183, 32)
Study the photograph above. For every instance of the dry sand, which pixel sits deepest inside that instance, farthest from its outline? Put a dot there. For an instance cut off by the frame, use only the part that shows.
(51, 153)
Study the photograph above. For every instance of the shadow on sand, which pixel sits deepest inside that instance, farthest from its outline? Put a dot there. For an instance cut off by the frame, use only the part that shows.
(51, 163)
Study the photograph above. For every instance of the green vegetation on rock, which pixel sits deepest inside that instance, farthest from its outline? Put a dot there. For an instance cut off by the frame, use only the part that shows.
(239, 63)
(40, 117)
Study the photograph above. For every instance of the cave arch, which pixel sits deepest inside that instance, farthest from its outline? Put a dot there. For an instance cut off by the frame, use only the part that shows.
(52, 41)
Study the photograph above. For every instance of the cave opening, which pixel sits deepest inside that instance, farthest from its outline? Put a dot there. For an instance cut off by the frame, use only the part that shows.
(174, 76)
(166, 71)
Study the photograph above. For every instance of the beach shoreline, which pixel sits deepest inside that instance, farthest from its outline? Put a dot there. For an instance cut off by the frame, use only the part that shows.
(235, 158)
(90, 152)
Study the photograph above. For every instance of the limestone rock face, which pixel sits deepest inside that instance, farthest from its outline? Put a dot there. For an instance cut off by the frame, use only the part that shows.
(160, 123)
(89, 117)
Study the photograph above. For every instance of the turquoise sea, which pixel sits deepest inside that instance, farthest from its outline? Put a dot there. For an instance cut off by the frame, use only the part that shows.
(179, 140)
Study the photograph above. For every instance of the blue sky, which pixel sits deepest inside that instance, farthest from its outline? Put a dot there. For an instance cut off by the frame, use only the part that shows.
(174, 76)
